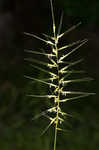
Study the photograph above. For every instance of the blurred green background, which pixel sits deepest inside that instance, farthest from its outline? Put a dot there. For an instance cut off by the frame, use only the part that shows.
(18, 130)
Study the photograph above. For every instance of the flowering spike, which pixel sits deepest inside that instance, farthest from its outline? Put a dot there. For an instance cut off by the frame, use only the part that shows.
(58, 76)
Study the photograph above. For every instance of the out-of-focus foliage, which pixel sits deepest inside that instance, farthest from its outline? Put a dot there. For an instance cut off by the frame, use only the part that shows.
(87, 10)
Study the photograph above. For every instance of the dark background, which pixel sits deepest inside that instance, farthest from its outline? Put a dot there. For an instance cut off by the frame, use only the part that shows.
(17, 129)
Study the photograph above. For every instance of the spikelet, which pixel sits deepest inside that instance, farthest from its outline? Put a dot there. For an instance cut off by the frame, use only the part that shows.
(57, 80)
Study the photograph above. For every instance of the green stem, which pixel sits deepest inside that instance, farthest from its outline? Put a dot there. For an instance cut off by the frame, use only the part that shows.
(55, 138)
(58, 96)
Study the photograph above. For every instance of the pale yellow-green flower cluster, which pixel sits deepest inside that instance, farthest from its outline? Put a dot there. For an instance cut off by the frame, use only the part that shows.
(58, 70)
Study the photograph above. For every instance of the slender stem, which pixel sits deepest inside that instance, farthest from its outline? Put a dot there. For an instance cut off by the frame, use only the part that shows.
(55, 138)
(58, 84)
(58, 94)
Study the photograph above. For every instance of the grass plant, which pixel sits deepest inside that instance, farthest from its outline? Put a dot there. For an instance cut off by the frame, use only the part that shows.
(57, 71)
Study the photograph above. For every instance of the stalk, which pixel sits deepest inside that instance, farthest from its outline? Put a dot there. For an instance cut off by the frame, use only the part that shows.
(58, 94)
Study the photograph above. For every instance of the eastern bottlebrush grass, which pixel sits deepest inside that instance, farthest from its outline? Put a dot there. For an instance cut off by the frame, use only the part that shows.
(57, 70)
